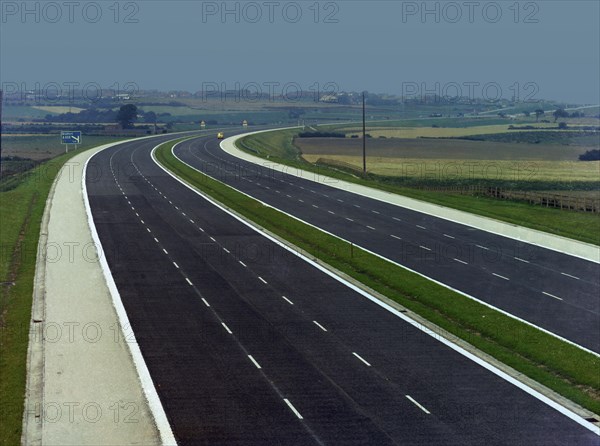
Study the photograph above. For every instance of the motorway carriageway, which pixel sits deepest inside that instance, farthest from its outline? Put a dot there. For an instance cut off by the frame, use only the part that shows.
(554, 291)
(249, 344)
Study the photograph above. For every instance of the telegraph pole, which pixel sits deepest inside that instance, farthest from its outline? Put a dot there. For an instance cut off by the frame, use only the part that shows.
(364, 137)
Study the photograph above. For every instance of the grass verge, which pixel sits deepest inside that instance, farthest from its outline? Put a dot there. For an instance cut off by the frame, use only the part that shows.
(559, 366)
(21, 211)
(277, 147)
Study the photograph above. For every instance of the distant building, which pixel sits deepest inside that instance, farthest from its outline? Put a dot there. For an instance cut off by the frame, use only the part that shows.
(244, 123)
(202, 124)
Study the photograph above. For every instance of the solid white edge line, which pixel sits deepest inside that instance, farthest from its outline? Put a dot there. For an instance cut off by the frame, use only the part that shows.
(154, 403)
(293, 409)
(417, 404)
(556, 406)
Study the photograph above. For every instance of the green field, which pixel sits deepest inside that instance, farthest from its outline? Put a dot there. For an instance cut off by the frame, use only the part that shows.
(40, 147)
(560, 366)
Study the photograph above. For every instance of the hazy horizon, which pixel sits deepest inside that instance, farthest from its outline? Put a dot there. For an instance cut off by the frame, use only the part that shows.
(538, 50)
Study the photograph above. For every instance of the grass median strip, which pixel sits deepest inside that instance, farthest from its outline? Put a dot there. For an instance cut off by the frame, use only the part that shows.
(558, 365)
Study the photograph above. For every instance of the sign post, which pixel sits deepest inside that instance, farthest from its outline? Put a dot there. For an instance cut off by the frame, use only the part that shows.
(71, 137)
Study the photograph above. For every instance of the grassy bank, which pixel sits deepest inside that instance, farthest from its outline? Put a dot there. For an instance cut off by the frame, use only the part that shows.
(21, 211)
(560, 366)
(277, 147)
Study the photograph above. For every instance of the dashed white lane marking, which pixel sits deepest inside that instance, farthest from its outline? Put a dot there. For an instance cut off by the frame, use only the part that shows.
(483, 247)
(395, 236)
(461, 261)
(293, 409)
(319, 325)
(287, 300)
(425, 248)
(277, 192)
(155, 239)
(142, 221)
(572, 277)
(176, 265)
(397, 219)
(356, 205)
(521, 260)
(148, 229)
(262, 280)
(227, 250)
(289, 196)
(254, 362)
(341, 201)
(422, 227)
(205, 302)
(243, 264)
(192, 221)
(137, 215)
(449, 236)
(349, 219)
(371, 228)
(165, 251)
(200, 229)
(551, 295)
(331, 212)
(411, 399)
(359, 357)
(176, 208)
(300, 200)
(183, 213)
(315, 206)
(189, 281)
(501, 277)
(226, 327)
(375, 212)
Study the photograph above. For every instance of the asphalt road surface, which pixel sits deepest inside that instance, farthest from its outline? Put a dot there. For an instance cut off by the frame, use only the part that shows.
(554, 291)
(248, 344)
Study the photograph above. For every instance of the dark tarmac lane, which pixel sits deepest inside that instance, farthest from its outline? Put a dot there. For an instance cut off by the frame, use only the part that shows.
(554, 291)
(248, 344)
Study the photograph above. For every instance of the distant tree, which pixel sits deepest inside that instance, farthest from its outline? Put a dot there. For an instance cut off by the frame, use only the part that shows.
(127, 115)
(526, 114)
(590, 155)
(560, 113)
(539, 112)
(150, 117)
(562, 125)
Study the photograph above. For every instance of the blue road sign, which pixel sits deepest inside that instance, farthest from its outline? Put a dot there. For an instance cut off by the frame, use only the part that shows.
(70, 137)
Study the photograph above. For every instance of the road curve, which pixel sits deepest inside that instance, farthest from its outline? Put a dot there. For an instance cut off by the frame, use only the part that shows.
(554, 291)
(249, 344)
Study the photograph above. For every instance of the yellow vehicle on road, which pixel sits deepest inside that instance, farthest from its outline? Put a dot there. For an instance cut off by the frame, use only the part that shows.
(220, 135)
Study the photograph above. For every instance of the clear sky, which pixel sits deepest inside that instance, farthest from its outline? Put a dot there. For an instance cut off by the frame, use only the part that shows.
(544, 49)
